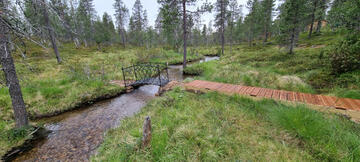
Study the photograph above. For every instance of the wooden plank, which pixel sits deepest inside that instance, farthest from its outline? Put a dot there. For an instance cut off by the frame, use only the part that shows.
(269, 93)
(262, 92)
(317, 100)
(307, 98)
(283, 95)
(255, 92)
(357, 103)
(248, 91)
(242, 90)
(291, 96)
(320, 100)
(276, 94)
(347, 104)
(298, 97)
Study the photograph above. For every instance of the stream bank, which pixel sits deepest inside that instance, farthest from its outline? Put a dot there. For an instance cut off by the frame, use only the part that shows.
(76, 134)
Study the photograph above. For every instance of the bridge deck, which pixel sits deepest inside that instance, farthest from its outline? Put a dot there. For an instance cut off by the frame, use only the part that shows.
(319, 100)
(152, 81)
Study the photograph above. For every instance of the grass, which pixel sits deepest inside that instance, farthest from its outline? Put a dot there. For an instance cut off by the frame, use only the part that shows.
(270, 67)
(83, 76)
(215, 127)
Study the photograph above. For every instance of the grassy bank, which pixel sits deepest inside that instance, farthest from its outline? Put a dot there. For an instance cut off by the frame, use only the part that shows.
(270, 67)
(172, 57)
(49, 88)
(214, 127)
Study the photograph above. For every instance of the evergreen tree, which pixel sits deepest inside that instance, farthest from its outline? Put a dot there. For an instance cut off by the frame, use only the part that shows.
(220, 18)
(8, 26)
(50, 30)
(254, 20)
(346, 14)
(292, 16)
(138, 23)
(234, 14)
(121, 15)
(170, 21)
(267, 7)
(85, 17)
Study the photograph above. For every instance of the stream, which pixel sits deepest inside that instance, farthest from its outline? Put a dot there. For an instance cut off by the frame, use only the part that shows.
(76, 135)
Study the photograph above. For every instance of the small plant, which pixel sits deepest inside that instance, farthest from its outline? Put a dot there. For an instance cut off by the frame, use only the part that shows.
(344, 56)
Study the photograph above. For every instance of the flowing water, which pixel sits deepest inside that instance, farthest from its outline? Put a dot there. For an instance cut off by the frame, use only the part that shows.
(76, 135)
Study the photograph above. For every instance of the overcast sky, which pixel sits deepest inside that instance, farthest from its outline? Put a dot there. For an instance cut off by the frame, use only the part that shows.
(152, 8)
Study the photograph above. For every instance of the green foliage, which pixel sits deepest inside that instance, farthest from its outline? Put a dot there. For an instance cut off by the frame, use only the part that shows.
(344, 56)
(345, 13)
(199, 127)
(193, 127)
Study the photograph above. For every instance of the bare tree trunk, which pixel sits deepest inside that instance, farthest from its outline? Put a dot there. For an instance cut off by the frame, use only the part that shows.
(12, 81)
(318, 27)
(51, 32)
(184, 32)
(312, 18)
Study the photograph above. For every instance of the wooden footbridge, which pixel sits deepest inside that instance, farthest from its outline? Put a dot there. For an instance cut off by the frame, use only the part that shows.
(313, 99)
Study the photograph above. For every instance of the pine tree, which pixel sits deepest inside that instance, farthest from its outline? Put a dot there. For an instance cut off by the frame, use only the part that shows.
(121, 15)
(254, 20)
(8, 67)
(170, 21)
(292, 15)
(85, 17)
(268, 7)
(138, 23)
(220, 18)
(234, 14)
(345, 14)
(50, 30)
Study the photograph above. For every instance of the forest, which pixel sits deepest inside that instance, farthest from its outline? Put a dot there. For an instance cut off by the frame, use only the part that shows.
(63, 63)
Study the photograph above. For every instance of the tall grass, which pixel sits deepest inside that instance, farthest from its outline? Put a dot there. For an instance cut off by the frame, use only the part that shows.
(215, 127)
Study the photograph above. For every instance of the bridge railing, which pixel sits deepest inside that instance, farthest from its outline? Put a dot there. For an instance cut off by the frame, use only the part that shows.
(142, 74)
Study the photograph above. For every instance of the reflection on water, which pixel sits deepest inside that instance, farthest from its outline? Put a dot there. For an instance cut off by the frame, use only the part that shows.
(76, 134)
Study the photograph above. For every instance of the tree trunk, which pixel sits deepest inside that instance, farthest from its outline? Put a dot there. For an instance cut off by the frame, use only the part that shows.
(222, 27)
(266, 34)
(51, 32)
(312, 18)
(231, 35)
(12, 81)
(318, 28)
(123, 37)
(184, 32)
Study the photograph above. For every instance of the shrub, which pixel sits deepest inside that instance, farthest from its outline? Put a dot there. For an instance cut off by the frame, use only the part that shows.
(344, 56)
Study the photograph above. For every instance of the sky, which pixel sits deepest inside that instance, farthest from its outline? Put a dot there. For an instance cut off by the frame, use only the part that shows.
(152, 8)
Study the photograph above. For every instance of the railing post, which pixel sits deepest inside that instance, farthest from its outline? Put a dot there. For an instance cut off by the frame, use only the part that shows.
(122, 69)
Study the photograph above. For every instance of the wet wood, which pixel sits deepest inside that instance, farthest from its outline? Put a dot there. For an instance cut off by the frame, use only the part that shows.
(319, 100)
(146, 139)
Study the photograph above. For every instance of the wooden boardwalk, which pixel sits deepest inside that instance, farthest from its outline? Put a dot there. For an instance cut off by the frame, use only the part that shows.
(319, 100)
